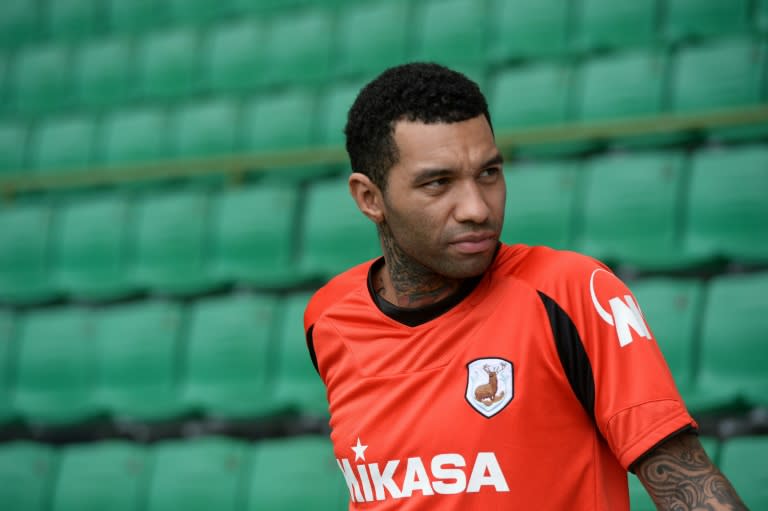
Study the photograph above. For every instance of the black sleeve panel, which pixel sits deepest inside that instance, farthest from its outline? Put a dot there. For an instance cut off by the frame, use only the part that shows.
(311, 348)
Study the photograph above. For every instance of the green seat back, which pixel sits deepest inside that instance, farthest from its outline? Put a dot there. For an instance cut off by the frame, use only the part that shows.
(195, 11)
(541, 200)
(280, 120)
(103, 475)
(135, 135)
(719, 75)
(334, 108)
(104, 74)
(7, 364)
(623, 195)
(450, 32)
(13, 142)
(64, 144)
(138, 370)
(20, 23)
(528, 29)
(706, 18)
(41, 79)
(607, 24)
(728, 204)
(73, 19)
(335, 234)
(277, 464)
(27, 470)
(234, 52)
(169, 63)
(55, 367)
(254, 235)
(135, 17)
(197, 475)
(743, 461)
(372, 37)
(228, 356)
(206, 128)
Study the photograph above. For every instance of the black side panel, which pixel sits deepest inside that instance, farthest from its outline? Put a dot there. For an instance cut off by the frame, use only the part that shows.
(573, 357)
(311, 348)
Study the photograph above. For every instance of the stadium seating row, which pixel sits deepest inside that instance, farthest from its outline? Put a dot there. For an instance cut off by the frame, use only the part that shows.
(197, 474)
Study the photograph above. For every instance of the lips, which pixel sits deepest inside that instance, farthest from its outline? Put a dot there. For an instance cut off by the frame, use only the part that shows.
(474, 243)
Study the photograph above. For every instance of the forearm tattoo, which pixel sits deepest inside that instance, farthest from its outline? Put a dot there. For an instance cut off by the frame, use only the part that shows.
(679, 476)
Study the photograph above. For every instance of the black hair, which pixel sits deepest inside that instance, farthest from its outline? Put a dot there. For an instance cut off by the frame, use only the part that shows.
(425, 92)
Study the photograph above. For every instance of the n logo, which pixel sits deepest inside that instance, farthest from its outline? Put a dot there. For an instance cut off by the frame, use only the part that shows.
(625, 315)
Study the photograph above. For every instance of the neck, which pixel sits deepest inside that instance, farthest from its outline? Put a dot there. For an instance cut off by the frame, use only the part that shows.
(405, 282)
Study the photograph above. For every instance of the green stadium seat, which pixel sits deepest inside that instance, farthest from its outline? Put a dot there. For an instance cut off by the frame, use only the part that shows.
(20, 23)
(298, 48)
(7, 336)
(195, 11)
(719, 75)
(198, 474)
(92, 248)
(228, 356)
(135, 135)
(282, 120)
(706, 18)
(733, 344)
(138, 373)
(625, 193)
(335, 105)
(135, 17)
(254, 235)
(296, 383)
(55, 367)
(541, 202)
(102, 475)
(138, 377)
(266, 7)
(73, 19)
(743, 461)
(278, 464)
(234, 56)
(372, 36)
(451, 32)
(104, 76)
(673, 309)
(41, 79)
(63, 144)
(528, 29)
(761, 16)
(335, 234)
(172, 235)
(5, 71)
(169, 64)
(27, 471)
(25, 241)
(13, 143)
(728, 204)
(607, 24)
(206, 128)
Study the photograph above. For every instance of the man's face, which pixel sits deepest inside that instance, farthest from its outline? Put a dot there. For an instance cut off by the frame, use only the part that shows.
(444, 202)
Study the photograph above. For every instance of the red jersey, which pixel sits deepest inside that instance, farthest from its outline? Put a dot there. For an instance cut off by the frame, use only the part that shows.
(535, 387)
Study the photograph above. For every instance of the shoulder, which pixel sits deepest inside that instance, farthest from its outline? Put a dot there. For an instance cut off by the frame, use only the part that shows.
(334, 291)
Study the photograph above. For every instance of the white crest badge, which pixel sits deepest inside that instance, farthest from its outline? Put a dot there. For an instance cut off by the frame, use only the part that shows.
(490, 385)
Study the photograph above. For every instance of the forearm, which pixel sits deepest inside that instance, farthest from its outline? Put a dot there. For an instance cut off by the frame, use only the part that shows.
(679, 476)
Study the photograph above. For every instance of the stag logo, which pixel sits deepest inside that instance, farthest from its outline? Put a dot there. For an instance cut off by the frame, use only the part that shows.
(490, 385)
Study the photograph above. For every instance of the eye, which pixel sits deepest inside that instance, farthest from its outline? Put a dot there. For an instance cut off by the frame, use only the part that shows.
(490, 173)
(436, 183)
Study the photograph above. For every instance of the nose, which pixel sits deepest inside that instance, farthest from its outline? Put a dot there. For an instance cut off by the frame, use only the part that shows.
(471, 204)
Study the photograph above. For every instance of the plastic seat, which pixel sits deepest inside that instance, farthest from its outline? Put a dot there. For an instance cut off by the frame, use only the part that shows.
(718, 75)
(172, 233)
(733, 350)
(335, 234)
(234, 52)
(298, 48)
(197, 474)
(13, 143)
(72, 19)
(541, 201)
(228, 356)
(64, 144)
(606, 24)
(5, 71)
(27, 470)
(451, 32)
(25, 241)
(169, 64)
(706, 18)
(41, 79)
(281, 120)
(254, 235)
(55, 367)
(139, 348)
(743, 459)
(296, 383)
(7, 336)
(277, 464)
(92, 248)
(728, 204)
(195, 11)
(20, 23)
(103, 475)
(135, 135)
(528, 29)
(372, 37)
(334, 108)
(206, 128)
(623, 195)
(135, 17)
(104, 75)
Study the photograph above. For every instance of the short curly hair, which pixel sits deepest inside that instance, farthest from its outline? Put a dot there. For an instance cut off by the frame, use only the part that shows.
(425, 92)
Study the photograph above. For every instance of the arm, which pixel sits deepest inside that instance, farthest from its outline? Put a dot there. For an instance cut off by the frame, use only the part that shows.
(679, 476)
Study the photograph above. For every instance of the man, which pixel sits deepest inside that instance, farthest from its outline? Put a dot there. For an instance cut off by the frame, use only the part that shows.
(466, 374)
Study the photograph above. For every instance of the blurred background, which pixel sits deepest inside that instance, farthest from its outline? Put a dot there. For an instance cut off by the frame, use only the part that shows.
(172, 181)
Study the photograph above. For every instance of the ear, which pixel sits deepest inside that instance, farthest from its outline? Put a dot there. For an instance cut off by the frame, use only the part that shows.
(367, 196)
